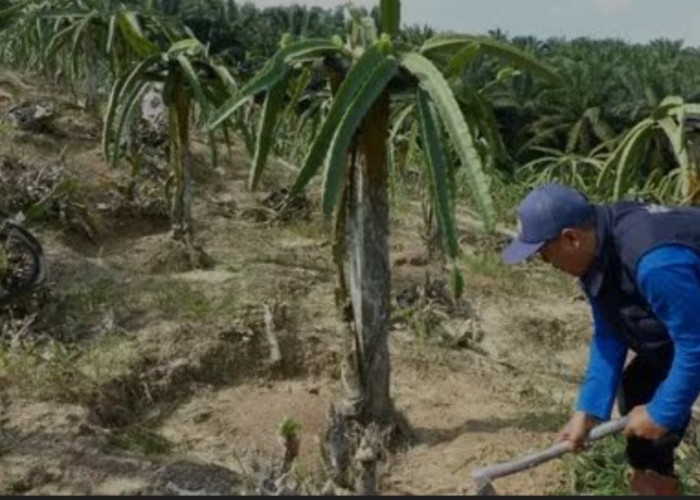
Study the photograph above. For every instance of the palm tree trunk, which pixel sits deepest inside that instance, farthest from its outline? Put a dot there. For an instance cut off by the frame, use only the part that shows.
(178, 114)
(370, 280)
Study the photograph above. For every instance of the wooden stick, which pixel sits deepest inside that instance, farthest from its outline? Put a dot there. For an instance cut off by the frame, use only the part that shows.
(484, 476)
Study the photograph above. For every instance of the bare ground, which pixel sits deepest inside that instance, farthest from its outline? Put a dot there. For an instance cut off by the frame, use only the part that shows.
(163, 383)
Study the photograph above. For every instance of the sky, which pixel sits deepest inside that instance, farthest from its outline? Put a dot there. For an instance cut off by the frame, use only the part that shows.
(636, 21)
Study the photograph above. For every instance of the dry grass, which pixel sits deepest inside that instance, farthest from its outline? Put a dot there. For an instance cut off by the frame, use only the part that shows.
(54, 372)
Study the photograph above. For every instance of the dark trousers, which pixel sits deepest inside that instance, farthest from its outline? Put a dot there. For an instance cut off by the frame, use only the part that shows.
(640, 380)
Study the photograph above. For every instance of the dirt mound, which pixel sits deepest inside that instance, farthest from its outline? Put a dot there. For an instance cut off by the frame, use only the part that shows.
(296, 208)
(71, 457)
(429, 309)
(189, 357)
(36, 188)
(192, 478)
(163, 255)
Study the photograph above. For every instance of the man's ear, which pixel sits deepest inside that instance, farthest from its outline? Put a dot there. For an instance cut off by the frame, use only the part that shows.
(570, 236)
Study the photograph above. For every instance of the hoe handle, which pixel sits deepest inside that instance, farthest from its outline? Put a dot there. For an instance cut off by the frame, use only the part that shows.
(486, 474)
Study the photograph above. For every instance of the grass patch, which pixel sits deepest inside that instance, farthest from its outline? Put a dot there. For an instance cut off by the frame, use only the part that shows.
(181, 300)
(64, 373)
(603, 470)
(138, 439)
(551, 420)
(77, 310)
(82, 299)
(108, 357)
(44, 373)
(312, 229)
(489, 265)
(487, 270)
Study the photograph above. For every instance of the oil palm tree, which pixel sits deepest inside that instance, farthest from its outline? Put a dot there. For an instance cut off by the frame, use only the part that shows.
(656, 156)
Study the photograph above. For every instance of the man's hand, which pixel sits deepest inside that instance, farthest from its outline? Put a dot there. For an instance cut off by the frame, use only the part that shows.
(641, 425)
(576, 431)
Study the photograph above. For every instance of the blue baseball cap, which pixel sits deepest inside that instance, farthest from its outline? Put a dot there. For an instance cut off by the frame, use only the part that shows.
(542, 215)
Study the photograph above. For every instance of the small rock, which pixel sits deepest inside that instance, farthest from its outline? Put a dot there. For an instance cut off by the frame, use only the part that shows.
(202, 417)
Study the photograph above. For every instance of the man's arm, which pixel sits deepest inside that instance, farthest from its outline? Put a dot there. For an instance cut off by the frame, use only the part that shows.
(669, 277)
(606, 360)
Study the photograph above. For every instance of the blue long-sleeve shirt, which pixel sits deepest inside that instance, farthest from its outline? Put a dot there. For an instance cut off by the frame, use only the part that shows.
(669, 278)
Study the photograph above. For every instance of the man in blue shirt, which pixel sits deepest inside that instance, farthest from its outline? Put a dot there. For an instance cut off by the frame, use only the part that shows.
(639, 267)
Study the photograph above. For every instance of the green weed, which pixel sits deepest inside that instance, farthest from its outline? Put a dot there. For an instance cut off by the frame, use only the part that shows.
(139, 439)
(603, 470)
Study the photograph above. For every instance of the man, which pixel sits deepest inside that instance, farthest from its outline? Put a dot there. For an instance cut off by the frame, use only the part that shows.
(639, 267)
